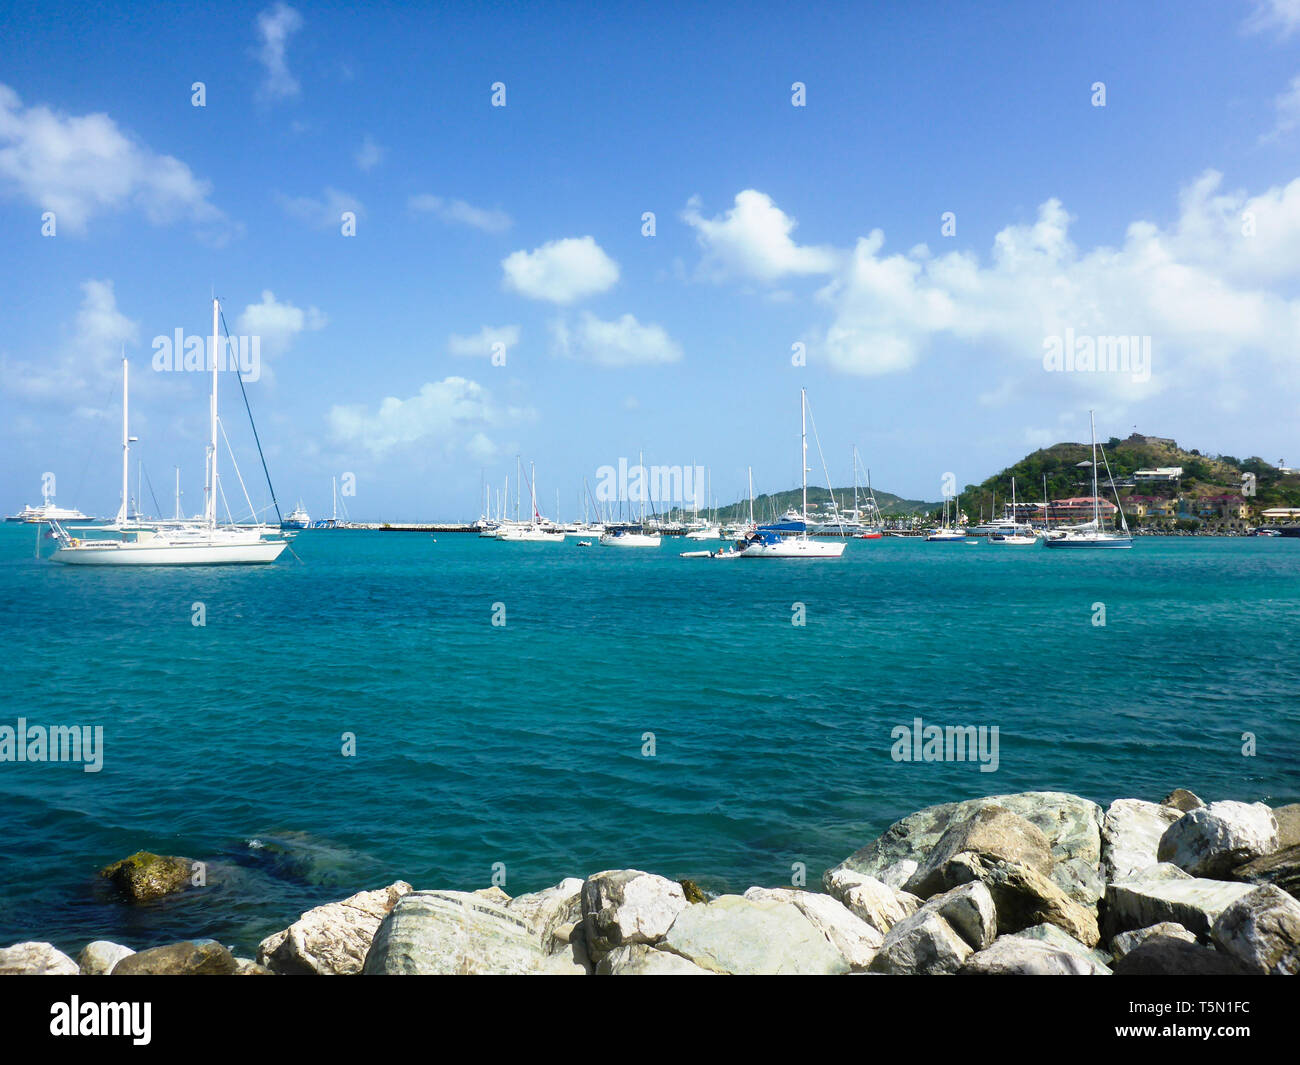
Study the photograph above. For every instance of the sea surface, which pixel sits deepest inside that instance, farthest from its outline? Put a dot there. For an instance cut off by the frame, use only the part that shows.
(518, 747)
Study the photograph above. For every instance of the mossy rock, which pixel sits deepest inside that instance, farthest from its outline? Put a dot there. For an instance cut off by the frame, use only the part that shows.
(145, 876)
(692, 891)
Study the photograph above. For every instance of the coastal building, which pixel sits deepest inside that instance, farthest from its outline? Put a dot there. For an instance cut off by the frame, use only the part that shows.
(1156, 507)
(1159, 475)
(1281, 514)
(1072, 511)
(1232, 508)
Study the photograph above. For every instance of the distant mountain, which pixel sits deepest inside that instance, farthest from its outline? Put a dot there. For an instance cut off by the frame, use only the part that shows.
(774, 504)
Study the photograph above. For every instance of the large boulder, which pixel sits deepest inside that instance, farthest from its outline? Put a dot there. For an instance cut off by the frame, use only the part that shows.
(1165, 893)
(452, 933)
(1018, 955)
(923, 944)
(970, 911)
(331, 940)
(1025, 897)
(1082, 881)
(99, 957)
(144, 875)
(1071, 824)
(1168, 956)
(1262, 931)
(622, 906)
(1211, 840)
(732, 934)
(35, 959)
(856, 940)
(1126, 942)
(568, 959)
(551, 913)
(992, 834)
(1130, 835)
(204, 957)
(641, 959)
(871, 900)
(1281, 869)
(1183, 800)
(1054, 936)
(1288, 825)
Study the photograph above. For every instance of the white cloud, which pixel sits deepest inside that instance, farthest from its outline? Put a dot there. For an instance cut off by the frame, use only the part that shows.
(481, 343)
(1280, 15)
(275, 26)
(81, 372)
(278, 323)
(369, 155)
(623, 342)
(451, 414)
(753, 239)
(324, 211)
(1286, 106)
(561, 271)
(81, 165)
(461, 213)
(1199, 289)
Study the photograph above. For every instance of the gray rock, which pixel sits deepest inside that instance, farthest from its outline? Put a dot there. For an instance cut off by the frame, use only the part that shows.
(731, 934)
(550, 911)
(1214, 839)
(622, 906)
(1167, 956)
(35, 959)
(1080, 880)
(898, 874)
(970, 911)
(992, 834)
(492, 894)
(1281, 869)
(198, 957)
(99, 957)
(872, 901)
(1182, 799)
(1155, 896)
(923, 944)
(1055, 937)
(1126, 942)
(1262, 931)
(1130, 835)
(856, 940)
(640, 959)
(452, 932)
(331, 940)
(1071, 824)
(1018, 955)
(1288, 825)
(1024, 898)
(248, 967)
(569, 959)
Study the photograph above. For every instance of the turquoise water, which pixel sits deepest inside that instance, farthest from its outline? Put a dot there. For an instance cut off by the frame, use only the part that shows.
(478, 744)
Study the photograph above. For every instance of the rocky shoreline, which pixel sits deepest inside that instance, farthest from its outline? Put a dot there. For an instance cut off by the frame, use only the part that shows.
(1041, 883)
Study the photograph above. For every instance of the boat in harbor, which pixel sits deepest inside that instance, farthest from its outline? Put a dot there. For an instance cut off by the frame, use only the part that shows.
(1017, 535)
(298, 518)
(950, 531)
(173, 543)
(48, 511)
(1094, 534)
(632, 534)
(789, 538)
(535, 531)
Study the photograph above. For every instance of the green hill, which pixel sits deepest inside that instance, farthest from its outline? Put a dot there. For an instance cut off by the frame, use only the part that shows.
(774, 504)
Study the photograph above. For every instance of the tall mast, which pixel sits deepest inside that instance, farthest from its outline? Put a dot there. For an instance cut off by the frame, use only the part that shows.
(178, 493)
(751, 495)
(803, 428)
(210, 490)
(334, 496)
(126, 448)
(1096, 513)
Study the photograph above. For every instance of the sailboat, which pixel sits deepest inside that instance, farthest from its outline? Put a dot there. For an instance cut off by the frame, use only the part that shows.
(1094, 534)
(185, 543)
(1018, 535)
(533, 531)
(789, 538)
(631, 535)
(949, 533)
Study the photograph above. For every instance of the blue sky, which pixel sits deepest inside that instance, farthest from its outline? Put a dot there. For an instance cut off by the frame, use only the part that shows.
(1171, 213)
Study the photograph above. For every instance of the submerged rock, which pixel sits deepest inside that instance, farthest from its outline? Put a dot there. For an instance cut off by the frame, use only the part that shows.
(1130, 835)
(449, 933)
(35, 959)
(99, 957)
(204, 957)
(331, 940)
(856, 940)
(144, 875)
(1212, 840)
(1262, 931)
(622, 906)
(1018, 955)
(732, 934)
(991, 834)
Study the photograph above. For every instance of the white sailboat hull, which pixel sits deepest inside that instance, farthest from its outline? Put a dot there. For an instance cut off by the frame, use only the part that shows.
(795, 548)
(198, 553)
(1111, 542)
(630, 540)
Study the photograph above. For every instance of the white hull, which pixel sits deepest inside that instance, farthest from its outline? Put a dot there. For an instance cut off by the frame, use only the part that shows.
(946, 537)
(199, 553)
(630, 540)
(1094, 542)
(530, 536)
(795, 548)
